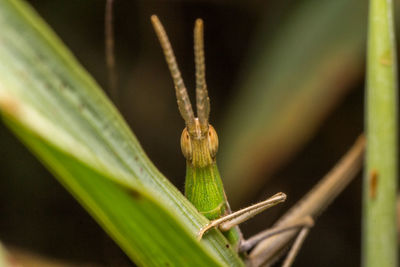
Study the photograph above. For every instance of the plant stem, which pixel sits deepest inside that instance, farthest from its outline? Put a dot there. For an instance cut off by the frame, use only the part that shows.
(380, 177)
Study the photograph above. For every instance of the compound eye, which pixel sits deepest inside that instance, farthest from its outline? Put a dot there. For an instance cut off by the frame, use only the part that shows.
(212, 141)
(186, 144)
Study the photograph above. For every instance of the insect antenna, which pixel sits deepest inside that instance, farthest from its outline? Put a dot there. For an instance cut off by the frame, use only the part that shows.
(184, 105)
(202, 99)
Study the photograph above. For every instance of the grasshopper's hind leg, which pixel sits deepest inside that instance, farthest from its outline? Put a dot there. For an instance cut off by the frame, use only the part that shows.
(231, 220)
(303, 226)
(294, 250)
(304, 222)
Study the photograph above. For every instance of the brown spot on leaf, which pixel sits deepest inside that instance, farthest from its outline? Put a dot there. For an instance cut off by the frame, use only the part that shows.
(386, 58)
(135, 194)
(373, 183)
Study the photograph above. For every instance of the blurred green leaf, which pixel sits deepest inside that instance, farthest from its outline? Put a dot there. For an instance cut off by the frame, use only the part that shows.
(291, 82)
(60, 113)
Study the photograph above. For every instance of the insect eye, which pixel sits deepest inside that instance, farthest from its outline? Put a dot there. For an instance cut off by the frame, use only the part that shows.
(212, 141)
(186, 145)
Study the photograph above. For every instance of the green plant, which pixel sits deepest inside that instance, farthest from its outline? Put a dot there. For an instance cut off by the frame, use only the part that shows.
(381, 170)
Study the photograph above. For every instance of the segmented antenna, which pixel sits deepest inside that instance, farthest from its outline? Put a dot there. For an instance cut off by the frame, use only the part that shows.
(202, 99)
(184, 105)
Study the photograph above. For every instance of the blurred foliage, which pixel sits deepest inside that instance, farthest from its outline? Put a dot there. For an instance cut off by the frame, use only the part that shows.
(4, 256)
(292, 80)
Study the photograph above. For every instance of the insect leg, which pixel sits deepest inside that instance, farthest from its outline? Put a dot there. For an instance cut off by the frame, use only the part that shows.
(300, 228)
(227, 222)
(294, 250)
(304, 222)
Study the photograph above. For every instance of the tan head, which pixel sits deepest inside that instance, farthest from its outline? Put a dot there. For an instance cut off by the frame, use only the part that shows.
(199, 141)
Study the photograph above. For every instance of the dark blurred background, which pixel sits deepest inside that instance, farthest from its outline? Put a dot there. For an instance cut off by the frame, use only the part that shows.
(285, 80)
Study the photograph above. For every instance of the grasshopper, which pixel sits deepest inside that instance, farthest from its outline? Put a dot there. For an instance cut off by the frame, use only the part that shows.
(199, 144)
(204, 188)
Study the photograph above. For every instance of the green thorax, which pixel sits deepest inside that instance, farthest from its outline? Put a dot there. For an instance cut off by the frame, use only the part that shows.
(205, 190)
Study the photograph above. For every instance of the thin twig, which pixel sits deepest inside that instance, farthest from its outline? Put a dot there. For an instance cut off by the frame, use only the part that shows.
(110, 52)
